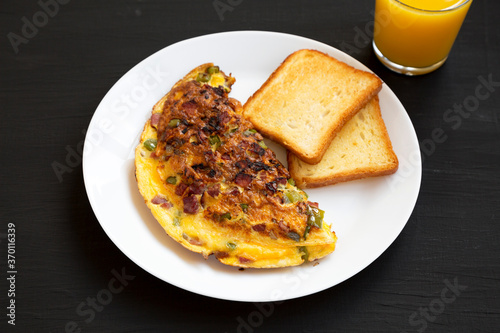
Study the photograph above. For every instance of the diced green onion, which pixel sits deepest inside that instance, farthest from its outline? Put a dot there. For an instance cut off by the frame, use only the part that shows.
(150, 144)
(244, 207)
(174, 123)
(231, 246)
(249, 132)
(291, 181)
(226, 216)
(172, 180)
(262, 144)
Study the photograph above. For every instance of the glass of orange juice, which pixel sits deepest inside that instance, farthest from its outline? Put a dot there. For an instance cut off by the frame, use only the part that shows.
(415, 36)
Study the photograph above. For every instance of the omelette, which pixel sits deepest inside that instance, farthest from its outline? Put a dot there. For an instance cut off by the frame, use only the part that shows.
(215, 187)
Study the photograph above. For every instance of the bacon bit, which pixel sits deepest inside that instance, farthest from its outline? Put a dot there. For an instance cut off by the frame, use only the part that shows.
(258, 166)
(283, 226)
(214, 190)
(153, 155)
(281, 180)
(189, 107)
(258, 136)
(226, 157)
(202, 136)
(213, 124)
(180, 189)
(218, 91)
(255, 148)
(191, 204)
(189, 172)
(192, 241)
(259, 227)
(203, 201)
(272, 187)
(167, 205)
(244, 260)
(199, 166)
(313, 204)
(244, 144)
(234, 191)
(242, 164)
(221, 254)
(223, 117)
(210, 156)
(196, 188)
(243, 179)
(155, 119)
(158, 199)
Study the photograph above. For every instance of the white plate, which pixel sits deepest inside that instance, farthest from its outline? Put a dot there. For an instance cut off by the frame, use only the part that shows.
(367, 215)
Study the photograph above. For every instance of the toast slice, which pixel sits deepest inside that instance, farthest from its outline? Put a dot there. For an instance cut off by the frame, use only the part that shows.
(307, 100)
(361, 149)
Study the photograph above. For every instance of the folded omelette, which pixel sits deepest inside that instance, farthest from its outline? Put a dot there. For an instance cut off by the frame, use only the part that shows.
(211, 182)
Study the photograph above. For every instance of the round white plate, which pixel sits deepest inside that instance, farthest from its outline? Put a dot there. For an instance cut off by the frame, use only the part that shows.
(367, 215)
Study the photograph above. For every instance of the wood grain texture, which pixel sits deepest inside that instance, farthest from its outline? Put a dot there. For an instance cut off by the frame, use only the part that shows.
(51, 87)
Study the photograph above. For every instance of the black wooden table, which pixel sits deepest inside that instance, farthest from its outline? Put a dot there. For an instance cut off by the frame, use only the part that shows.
(59, 58)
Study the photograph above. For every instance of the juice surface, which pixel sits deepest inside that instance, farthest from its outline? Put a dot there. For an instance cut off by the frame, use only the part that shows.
(433, 4)
(417, 38)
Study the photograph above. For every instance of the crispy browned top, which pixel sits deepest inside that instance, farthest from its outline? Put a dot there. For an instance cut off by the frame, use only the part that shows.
(222, 165)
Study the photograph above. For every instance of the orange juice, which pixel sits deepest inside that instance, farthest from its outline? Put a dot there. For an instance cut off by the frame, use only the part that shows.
(417, 33)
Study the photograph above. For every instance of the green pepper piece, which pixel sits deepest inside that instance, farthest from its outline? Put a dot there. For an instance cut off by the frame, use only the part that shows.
(203, 77)
(316, 216)
(174, 123)
(305, 253)
(213, 69)
(293, 196)
(244, 207)
(226, 216)
(262, 144)
(286, 200)
(150, 144)
(231, 246)
(291, 181)
(172, 180)
(214, 141)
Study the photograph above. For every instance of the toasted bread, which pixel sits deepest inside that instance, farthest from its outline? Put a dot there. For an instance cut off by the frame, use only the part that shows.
(307, 100)
(361, 149)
